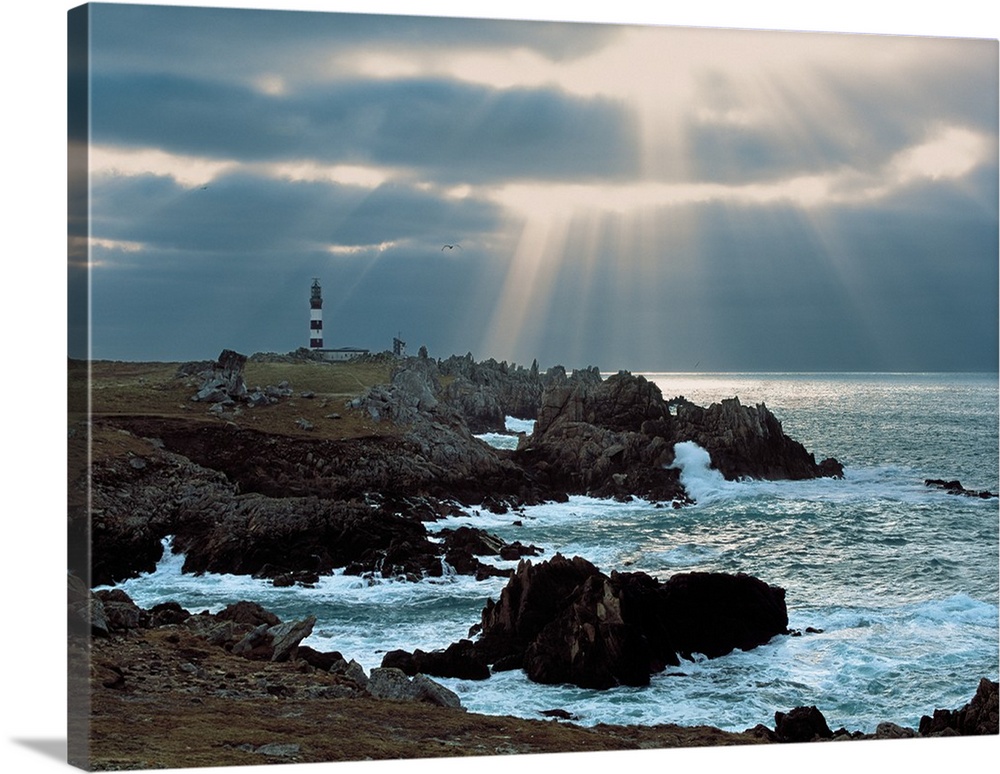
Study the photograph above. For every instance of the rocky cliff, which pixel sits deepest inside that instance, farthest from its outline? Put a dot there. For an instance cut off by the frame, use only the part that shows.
(617, 438)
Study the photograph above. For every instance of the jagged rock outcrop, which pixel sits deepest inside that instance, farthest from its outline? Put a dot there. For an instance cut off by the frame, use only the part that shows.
(622, 402)
(481, 409)
(133, 508)
(980, 717)
(478, 395)
(617, 438)
(440, 438)
(590, 439)
(748, 441)
(487, 392)
(532, 597)
(563, 621)
(223, 382)
(410, 397)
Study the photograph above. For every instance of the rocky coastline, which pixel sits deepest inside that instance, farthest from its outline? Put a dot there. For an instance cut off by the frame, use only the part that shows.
(240, 500)
(237, 687)
(292, 506)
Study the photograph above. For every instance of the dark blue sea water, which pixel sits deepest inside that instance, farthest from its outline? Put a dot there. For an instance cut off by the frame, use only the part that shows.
(901, 579)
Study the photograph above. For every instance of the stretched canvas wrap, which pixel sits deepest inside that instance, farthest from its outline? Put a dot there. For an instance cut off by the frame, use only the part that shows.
(444, 387)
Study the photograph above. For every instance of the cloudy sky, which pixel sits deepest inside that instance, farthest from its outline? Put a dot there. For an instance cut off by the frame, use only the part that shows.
(641, 197)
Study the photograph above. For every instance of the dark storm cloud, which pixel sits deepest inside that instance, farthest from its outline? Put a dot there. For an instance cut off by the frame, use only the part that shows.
(473, 134)
(241, 212)
(449, 130)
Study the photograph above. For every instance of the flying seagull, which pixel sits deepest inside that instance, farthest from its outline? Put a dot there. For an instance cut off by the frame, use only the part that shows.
(451, 247)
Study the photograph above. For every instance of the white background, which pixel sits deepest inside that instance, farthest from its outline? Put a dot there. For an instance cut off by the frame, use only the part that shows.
(33, 430)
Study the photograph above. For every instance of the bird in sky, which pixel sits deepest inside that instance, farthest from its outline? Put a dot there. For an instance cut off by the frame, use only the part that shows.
(451, 247)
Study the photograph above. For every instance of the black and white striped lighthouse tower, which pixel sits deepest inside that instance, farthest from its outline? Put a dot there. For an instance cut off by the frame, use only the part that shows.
(316, 316)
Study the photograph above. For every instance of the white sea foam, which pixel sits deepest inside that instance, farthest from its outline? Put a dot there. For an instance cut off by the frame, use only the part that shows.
(500, 440)
(515, 425)
(515, 428)
(703, 482)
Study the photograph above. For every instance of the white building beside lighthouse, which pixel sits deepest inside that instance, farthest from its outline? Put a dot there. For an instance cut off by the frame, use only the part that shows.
(316, 329)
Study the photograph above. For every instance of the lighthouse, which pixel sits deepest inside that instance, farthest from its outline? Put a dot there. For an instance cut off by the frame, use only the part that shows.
(316, 316)
(316, 331)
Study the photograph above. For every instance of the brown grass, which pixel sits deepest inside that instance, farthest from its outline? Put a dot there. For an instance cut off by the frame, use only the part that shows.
(154, 389)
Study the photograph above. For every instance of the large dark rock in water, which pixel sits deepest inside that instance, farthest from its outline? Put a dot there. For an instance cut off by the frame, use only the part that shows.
(535, 595)
(617, 437)
(564, 621)
(608, 439)
(715, 613)
(590, 643)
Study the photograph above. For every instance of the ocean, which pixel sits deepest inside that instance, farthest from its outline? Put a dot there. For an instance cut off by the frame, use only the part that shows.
(899, 579)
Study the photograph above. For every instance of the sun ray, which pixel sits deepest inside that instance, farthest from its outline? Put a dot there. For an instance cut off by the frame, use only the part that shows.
(525, 297)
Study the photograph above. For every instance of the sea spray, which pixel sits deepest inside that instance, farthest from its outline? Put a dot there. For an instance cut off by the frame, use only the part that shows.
(702, 482)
